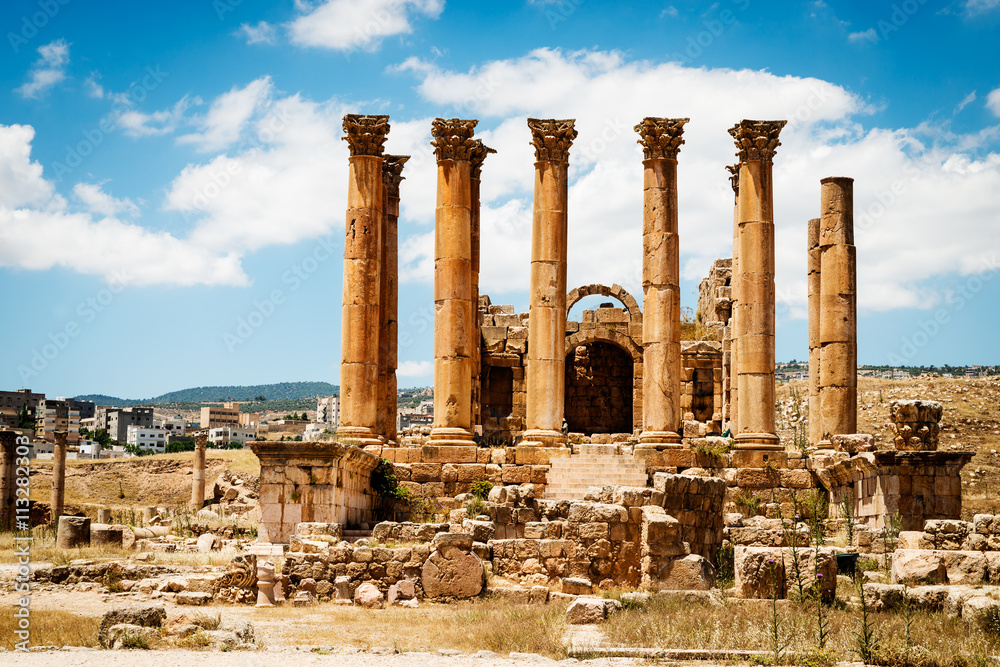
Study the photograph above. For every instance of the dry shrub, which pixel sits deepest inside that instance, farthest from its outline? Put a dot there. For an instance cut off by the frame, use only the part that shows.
(939, 641)
(470, 626)
(51, 628)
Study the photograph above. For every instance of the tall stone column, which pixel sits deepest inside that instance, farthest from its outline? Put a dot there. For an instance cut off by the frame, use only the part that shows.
(547, 298)
(8, 486)
(392, 176)
(198, 480)
(362, 245)
(57, 504)
(838, 363)
(661, 140)
(734, 283)
(453, 308)
(756, 142)
(813, 278)
(479, 153)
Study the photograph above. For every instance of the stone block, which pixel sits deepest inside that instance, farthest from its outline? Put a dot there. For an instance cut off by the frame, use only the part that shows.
(590, 610)
(918, 568)
(577, 586)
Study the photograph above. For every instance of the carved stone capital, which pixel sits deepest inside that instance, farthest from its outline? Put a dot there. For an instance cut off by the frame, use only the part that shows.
(365, 134)
(453, 138)
(661, 137)
(734, 177)
(552, 138)
(392, 173)
(757, 140)
(479, 153)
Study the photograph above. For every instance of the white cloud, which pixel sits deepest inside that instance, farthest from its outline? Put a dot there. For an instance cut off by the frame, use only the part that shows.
(415, 369)
(670, 11)
(37, 232)
(920, 184)
(140, 124)
(97, 201)
(228, 116)
(993, 102)
(981, 6)
(262, 33)
(966, 101)
(348, 25)
(869, 36)
(48, 70)
(94, 89)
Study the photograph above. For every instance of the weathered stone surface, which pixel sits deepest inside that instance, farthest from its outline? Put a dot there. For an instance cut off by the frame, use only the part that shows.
(207, 542)
(915, 568)
(884, 597)
(590, 610)
(690, 573)
(758, 571)
(983, 612)
(105, 535)
(73, 532)
(966, 567)
(192, 598)
(452, 540)
(916, 424)
(577, 586)
(369, 596)
(853, 443)
(148, 616)
(456, 574)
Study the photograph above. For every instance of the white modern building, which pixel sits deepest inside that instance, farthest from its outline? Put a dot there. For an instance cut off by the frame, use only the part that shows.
(153, 438)
(223, 435)
(173, 426)
(328, 410)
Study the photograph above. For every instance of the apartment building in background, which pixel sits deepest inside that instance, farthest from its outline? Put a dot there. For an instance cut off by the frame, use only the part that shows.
(152, 438)
(117, 420)
(223, 435)
(328, 410)
(215, 417)
(11, 403)
(58, 414)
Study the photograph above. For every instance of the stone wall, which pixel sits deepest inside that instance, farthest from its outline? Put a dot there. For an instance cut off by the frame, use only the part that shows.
(918, 485)
(701, 388)
(311, 481)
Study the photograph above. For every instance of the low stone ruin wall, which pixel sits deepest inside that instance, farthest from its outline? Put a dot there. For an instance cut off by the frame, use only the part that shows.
(950, 552)
(919, 486)
(324, 482)
(765, 571)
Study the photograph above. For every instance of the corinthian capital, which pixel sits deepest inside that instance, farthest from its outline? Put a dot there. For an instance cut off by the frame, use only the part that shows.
(734, 177)
(453, 138)
(392, 173)
(365, 134)
(757, 140)
(552, 138)
(661, 137)
(479, 153)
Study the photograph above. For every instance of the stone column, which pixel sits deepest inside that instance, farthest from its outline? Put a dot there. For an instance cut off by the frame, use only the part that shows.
(661, 140)
(547, 298)
(8, 486)
(362, 244)
(198, 481)
(734, 283)
(813, 277)
(756, 142)
(453, 308)
(479, 153)
(57, 504)
(838, 362)
(392, 176)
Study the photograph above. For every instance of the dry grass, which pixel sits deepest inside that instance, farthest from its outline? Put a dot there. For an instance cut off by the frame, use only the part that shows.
(746, 625)
(51, 628)
(492, 625)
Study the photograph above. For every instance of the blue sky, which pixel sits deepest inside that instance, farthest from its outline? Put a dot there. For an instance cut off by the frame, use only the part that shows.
(171, 171)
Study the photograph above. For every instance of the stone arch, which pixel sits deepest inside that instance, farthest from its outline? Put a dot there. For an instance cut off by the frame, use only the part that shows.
(602, 334)
(615, 292)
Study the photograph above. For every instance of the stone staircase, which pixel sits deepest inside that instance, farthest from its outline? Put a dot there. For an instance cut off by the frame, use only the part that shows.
(570, 477)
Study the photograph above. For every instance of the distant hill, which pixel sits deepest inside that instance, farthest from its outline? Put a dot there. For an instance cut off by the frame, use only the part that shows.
(281, 390)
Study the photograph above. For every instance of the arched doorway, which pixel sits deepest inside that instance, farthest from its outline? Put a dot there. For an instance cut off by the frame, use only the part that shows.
(599, 388)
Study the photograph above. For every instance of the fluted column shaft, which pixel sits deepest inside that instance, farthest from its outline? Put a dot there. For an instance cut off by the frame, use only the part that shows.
(546, 378)
(479, 153)
(756, 142)
(661, 139)
(57, 504)
(362, 246)
(838, 363)
(453, 308)
(815, 308)
(198, 479)
(389, 299)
